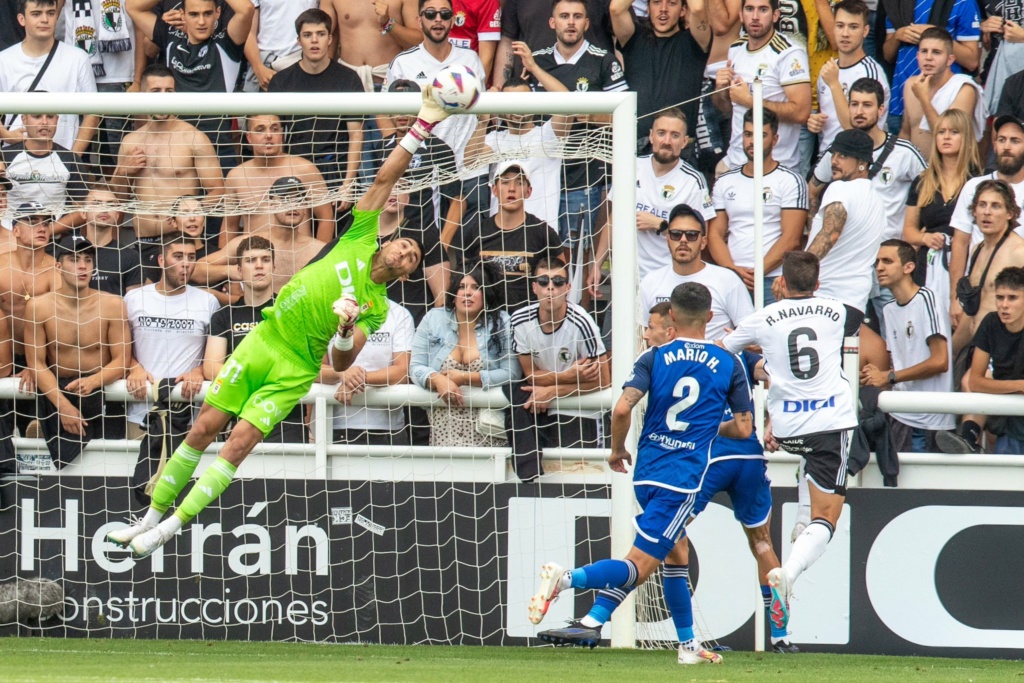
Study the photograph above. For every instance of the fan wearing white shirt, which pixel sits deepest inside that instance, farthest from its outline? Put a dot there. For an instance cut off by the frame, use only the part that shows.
(847, 230)
(731, 237)
(384, 361)
(936, 90)
(560, 350)
(663, 181)
(919, 340)
(423, 62)
(69, 71)
(686, 235)
(852, 25)
(783, 68)
(895, 163)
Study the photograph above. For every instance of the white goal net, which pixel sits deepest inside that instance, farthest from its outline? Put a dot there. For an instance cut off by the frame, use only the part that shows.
(390, 506)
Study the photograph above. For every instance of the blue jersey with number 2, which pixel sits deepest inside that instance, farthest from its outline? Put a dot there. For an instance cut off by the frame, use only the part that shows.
(690, 384)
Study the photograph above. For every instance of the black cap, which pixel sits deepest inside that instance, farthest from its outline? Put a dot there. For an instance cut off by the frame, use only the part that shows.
(404, 85)
(683, 211)
(1005, 119)
(289, 186)
(854, 143)
(30, 209)
(74, 244)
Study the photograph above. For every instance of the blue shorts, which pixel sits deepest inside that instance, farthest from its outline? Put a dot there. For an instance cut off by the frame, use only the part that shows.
(747, 483)
(663, 521)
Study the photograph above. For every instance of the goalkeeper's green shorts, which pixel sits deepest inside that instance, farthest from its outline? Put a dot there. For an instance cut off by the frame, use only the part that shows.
(258, 385)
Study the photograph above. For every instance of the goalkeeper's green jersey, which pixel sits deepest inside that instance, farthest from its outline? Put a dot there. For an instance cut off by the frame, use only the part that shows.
(302, 320)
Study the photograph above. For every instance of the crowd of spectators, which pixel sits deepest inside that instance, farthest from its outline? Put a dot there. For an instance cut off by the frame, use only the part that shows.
(880, 119)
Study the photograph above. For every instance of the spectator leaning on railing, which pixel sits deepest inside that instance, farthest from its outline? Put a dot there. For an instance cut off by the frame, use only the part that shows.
(560, 350)
(466, 343)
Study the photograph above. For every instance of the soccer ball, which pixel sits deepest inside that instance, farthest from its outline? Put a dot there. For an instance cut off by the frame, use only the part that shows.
(456, 89)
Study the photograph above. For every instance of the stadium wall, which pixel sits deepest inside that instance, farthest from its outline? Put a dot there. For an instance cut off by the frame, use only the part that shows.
(923, 571)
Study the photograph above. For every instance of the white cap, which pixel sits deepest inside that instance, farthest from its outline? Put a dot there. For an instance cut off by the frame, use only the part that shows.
(505, 166)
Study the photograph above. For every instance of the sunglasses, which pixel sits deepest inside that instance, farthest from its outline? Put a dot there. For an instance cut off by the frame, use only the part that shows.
(431, 14)
(545, 280)
(690, 235)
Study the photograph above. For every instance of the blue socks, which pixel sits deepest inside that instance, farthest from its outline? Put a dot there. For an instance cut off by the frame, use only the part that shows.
(676, 582)
(607, 601)
(605, 574)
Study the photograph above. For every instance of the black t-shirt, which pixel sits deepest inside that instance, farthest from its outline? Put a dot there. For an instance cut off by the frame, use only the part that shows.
(117, 268)
(320, 136)
(663, 72)
(1005, 349)
(234, 322)
(510, 250)
(592, 70)
(414, 292)
(936, 216)
(210, 66)
(11, 32)
(434, 159)
(527, 20)
(1011, 100)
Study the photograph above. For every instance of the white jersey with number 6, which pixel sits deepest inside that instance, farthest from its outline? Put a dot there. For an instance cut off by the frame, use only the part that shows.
(802, 342)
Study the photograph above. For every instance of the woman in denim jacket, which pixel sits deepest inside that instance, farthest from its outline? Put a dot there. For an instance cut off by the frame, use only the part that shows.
(466, 343)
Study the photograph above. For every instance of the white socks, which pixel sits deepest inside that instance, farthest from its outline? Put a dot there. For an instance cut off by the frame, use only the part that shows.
(808, 547)
(152, 518)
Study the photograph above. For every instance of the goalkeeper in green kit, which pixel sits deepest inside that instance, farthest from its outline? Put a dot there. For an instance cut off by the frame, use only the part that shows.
(334, 303)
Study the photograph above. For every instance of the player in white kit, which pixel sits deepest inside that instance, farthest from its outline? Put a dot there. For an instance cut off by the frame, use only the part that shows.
(809, 400)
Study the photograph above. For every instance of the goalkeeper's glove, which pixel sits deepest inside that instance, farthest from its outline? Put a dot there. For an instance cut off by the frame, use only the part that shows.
(347, 310)
(430, 115)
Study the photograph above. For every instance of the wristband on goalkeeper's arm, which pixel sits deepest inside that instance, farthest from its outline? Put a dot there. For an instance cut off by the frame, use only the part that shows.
(430, 115)
(343, 342)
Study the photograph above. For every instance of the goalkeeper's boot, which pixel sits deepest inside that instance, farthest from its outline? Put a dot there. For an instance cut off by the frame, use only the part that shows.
(147, 543)
(701, 656)
(123, 537)
(573, 635)
(778, 610)
(550, 585)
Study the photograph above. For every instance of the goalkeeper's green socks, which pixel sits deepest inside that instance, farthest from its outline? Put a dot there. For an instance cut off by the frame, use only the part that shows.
(177, 471)
(213, 482)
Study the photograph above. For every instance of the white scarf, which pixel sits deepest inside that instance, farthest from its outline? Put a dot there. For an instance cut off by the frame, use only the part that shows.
(100, 27)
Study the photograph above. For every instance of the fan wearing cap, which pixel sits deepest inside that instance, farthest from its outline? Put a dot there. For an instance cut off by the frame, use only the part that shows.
(76, 342)
(330, 307)
(26, 272)
(294, 247)
(511, 238)
(686, 235)
(847, 229)
(247, 185)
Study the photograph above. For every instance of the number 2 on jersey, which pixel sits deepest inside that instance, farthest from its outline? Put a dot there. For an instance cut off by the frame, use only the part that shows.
(687, 389)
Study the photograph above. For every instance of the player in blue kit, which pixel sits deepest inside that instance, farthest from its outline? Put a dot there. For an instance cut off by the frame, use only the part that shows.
(691, 382)
(738, 467)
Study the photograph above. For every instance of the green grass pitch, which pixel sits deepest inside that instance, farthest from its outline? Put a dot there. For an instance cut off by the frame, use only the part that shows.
(50, 659)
